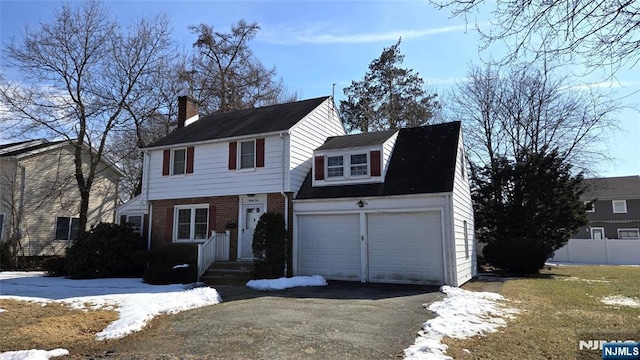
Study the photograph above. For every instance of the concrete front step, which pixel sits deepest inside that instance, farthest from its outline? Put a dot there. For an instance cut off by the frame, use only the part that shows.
(228, 273)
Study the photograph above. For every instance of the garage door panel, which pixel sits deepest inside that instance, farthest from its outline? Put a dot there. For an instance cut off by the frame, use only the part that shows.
(405, 247)
(329, 245)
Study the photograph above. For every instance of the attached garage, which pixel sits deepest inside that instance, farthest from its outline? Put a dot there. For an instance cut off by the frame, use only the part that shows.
(387, 207)
(405, 247)
(330, 245)
(397, 247)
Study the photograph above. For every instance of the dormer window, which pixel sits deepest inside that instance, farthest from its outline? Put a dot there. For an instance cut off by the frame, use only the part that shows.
(335, 166)
(359, 165)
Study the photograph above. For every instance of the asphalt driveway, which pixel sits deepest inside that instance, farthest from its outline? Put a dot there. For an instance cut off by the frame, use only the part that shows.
(340, 321)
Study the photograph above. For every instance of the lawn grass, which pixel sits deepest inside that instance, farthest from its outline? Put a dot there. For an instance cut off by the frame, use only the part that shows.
(28, 325)
(556, 307)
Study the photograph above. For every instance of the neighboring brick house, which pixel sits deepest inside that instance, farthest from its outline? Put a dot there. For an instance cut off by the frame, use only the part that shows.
(223, 171)
(39, 197)
(613, 208)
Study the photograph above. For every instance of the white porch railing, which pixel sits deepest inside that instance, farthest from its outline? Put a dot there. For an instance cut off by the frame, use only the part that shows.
(216, 248)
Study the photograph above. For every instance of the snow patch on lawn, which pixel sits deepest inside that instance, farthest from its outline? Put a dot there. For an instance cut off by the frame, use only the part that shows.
(460, 315)
(589, 281)
(621, 301)
(33, 354)
(286, 283)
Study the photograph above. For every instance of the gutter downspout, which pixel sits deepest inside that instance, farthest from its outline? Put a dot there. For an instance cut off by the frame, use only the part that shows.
(287, 268)
(145, 194)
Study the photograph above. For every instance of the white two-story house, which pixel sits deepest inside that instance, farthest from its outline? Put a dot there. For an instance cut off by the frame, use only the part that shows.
(223, 171)
(389, 207)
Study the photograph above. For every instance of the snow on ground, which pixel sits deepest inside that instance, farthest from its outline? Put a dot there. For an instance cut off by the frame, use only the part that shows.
(33, 354)
(285, 283)
(621, 301)
(136, 301)
(460, 315)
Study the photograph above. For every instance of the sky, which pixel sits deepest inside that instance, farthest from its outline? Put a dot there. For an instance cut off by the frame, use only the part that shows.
(316, 44)
(460, 315)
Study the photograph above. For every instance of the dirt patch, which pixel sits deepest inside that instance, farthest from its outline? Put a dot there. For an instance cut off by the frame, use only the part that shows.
(29, 325)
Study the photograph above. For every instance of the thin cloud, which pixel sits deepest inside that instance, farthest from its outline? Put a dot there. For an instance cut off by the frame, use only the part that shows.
(318, 34)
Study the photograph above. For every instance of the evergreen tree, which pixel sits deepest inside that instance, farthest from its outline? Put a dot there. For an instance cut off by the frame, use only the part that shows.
(526, 209)
(389, 97)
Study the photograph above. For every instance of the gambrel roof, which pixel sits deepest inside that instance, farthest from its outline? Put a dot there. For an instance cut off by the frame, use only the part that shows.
(423, 162)
(239, 123)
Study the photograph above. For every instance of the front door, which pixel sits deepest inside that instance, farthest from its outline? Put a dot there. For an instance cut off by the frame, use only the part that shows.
(250, 215)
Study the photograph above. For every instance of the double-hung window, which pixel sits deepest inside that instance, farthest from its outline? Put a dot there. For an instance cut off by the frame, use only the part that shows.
(191, 222)
(67, 228)
(247, 154)
(335, 166)
(179, 161)
(359, 165)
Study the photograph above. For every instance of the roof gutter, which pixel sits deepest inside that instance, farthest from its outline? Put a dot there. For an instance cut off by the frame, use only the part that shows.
(220, 140)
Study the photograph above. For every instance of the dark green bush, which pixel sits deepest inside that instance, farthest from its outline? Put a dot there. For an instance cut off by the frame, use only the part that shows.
(107, 250)
(55, 265)
(163, 260)
(269, 247)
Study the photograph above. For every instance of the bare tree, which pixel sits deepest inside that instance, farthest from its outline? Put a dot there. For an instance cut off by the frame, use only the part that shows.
(389, 96)
(506, 111)
(603, 32)
(80, 71)
(224, 74)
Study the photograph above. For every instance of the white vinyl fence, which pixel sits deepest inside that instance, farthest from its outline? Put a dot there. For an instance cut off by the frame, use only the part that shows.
(603, 252)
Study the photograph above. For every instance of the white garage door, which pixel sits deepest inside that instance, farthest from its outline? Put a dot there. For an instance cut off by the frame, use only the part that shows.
(405, 248)
(329, 245)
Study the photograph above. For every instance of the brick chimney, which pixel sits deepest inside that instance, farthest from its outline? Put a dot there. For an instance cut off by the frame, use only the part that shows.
(187, 111)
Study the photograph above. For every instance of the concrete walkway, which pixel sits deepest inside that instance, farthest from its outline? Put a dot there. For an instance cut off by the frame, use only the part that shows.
(341, 321)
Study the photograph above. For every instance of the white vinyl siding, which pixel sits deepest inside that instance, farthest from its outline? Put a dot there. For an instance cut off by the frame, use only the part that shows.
(213, 177)
(464, 251)
(309, 134)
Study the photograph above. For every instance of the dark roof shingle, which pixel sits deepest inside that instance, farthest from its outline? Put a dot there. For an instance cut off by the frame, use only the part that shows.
(423, 162)
(357, 140)
(242, 123)
(613, 187)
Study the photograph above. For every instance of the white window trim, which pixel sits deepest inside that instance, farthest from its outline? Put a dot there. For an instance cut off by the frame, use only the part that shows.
(173, 155)
(593, 206)
(346, 165)
(239, 156)
(597, 228)
(613, 206)
(629, 229)
(192, 207)
(326, 167)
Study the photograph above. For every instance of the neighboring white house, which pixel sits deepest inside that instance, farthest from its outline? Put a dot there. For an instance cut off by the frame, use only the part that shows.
(389, 207)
